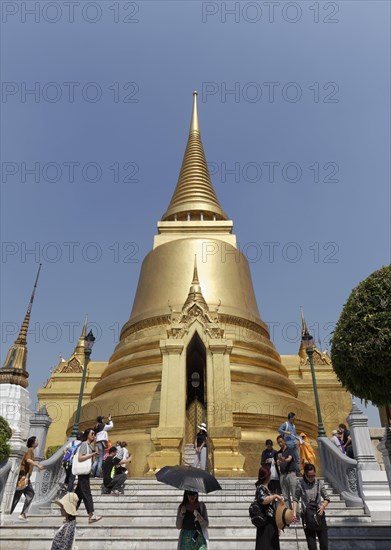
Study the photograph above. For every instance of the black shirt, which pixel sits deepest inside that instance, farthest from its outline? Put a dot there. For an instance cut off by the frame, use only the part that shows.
(201, 438)
(261, 493)
(110, 463)
(266, 454)
(286, 467)
(189, 521)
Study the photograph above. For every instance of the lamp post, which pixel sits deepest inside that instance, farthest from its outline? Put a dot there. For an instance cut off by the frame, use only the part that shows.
(88, 343)
(308, 344)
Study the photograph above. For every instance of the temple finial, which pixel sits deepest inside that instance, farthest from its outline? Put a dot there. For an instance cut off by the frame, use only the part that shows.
(22, 338)
(84, 331)
(195, 280)
(195, 292)
(304, 328)
(194, 124)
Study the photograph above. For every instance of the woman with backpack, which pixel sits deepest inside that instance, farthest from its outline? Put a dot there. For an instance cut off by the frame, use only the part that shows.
(314, 500)
(67, 460)
(267, 535)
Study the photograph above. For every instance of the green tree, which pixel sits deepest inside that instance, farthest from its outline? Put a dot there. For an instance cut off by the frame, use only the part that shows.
(361, 342)
(5, 434)
(51, 450)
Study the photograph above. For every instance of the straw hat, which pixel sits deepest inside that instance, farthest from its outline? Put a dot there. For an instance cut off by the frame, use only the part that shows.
(284, 516)
(203, 427)
(69, 502)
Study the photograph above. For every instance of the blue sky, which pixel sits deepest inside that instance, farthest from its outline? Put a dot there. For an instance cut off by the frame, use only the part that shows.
(96, 99)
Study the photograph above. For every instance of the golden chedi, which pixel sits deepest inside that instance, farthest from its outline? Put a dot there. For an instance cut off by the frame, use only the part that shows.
(195, 348)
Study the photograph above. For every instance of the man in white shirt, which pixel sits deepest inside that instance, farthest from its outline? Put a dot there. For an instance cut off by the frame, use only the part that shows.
(102, 438)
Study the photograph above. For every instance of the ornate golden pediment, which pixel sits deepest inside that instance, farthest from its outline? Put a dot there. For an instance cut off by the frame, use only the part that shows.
(73, 365)
(321, 358)
(191, 312)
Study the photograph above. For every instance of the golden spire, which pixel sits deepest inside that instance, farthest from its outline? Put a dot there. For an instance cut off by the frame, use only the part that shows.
(194, 194)
(13, 370)
(79, 349)
(195, 292)
(22, 338)
(304, 330)
(195, 280)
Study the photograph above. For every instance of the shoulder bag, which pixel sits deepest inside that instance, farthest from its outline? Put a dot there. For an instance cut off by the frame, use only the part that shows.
(81, 468)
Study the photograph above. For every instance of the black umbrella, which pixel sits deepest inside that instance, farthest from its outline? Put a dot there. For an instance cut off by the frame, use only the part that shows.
(188, 478)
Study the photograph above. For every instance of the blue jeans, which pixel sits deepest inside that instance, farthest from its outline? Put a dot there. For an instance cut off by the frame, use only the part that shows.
(296, 458)
(96, 469)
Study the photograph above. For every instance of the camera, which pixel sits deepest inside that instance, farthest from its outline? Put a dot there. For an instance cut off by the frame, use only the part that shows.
(195, 536)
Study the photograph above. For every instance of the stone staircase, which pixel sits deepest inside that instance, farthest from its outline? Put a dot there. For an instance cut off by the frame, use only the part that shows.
(188, 455)
(144, 519)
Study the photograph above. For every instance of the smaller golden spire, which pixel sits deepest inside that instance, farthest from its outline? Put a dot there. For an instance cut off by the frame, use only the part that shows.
(14, 370)
(79, 349)
(195, 280)
(195, 292)
(304, 330)
(22, 338)
(84, 331)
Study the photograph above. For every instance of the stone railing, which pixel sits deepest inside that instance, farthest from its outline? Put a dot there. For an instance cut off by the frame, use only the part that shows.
(5, 469)
(340, 471)
(47, 482)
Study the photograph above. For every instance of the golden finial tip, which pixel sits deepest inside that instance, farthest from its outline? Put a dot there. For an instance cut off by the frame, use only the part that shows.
(195, 92)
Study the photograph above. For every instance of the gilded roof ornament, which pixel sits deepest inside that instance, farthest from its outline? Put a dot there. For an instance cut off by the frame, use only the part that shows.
(76, 361)
(304, 330)
(194, 308)
(194, 196)
(320, 358)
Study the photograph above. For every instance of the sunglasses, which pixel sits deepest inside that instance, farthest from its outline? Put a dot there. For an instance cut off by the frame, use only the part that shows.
(192, 493)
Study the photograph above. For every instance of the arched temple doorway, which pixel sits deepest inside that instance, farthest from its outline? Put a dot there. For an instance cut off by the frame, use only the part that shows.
(195, 387)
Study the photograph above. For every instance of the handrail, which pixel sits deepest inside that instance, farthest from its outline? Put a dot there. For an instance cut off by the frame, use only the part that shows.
(5, 469)
(47, 481)
(340, 471)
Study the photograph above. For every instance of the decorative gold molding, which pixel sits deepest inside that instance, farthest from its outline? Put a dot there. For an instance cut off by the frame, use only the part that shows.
(321, 358)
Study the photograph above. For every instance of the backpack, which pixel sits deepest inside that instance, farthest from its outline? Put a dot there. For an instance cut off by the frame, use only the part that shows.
(257, 514)
(70, 453)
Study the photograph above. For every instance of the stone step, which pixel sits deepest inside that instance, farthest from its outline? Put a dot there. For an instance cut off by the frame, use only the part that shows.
(142, 519)
(107, 540)
(176, 498)
(111, 504)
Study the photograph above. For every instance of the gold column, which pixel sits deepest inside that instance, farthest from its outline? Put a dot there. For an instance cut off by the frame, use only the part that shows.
(223, 436)
(168, 437)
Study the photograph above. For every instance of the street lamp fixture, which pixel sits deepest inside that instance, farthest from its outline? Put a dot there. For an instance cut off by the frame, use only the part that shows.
(195, 379)
(308, 344)
(88, 343)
